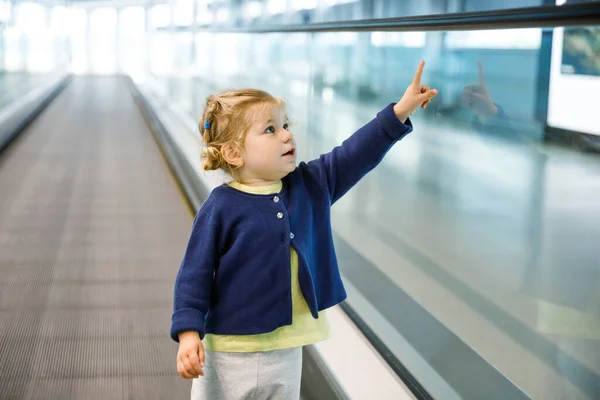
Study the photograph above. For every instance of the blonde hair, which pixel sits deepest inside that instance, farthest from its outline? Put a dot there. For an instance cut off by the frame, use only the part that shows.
(227, 118)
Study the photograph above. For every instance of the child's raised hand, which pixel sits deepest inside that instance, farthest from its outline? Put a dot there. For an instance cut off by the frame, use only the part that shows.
(478, 96)
(416, 95)
(190, 357)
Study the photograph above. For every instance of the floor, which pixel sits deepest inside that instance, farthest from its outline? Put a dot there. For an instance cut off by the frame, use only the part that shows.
(92, 230)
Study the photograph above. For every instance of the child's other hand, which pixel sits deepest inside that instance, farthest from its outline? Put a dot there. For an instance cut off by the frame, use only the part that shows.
(417, 95)
(190, 357)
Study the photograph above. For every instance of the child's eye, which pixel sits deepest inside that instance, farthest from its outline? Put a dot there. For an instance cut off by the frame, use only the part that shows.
(286, 126)
(270, 129)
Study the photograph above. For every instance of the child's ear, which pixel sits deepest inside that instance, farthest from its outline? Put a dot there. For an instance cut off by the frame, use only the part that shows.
(232, 154)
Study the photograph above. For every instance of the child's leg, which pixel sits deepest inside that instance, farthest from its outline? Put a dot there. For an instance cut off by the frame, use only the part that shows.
(227, 376)
(279, 374)
(263, 375)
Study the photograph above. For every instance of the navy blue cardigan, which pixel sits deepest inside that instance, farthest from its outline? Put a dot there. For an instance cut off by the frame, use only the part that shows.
(235, 275)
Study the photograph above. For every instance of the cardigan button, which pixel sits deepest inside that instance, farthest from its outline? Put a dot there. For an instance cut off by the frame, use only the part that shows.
(291, 235)
(276, 199)
(279, 215)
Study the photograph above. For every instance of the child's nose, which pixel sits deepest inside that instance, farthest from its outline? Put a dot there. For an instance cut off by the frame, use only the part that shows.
(286, 135)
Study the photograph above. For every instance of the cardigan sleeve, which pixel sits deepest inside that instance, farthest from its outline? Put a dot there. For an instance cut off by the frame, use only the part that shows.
(340, 169)
(195, 277)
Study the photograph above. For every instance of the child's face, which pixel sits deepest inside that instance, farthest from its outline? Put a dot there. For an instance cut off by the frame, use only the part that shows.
(269, 152)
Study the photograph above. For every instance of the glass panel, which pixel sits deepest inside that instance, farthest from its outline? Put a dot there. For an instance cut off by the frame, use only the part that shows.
(32, 51)
(472, 250)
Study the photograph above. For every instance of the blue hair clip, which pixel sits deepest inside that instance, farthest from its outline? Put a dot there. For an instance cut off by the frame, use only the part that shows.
(206, 124)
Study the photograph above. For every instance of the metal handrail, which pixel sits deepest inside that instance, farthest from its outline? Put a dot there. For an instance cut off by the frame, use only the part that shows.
(528, 17)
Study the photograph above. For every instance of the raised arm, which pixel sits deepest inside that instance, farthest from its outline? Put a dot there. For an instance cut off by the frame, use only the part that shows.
(346, 164)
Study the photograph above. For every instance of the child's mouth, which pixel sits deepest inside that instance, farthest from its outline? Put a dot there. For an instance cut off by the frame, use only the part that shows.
(290, 153)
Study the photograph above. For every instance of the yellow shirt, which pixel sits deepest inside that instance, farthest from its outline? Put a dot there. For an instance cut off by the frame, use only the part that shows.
(304, 329)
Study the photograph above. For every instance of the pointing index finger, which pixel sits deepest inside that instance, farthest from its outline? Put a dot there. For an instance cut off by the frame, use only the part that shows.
(417, 80)
(481, 73)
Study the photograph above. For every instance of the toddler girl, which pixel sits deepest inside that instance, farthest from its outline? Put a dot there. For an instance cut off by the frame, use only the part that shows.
(260, 267)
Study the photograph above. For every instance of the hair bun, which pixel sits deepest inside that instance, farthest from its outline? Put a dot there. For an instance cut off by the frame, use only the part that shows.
(212, 158)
